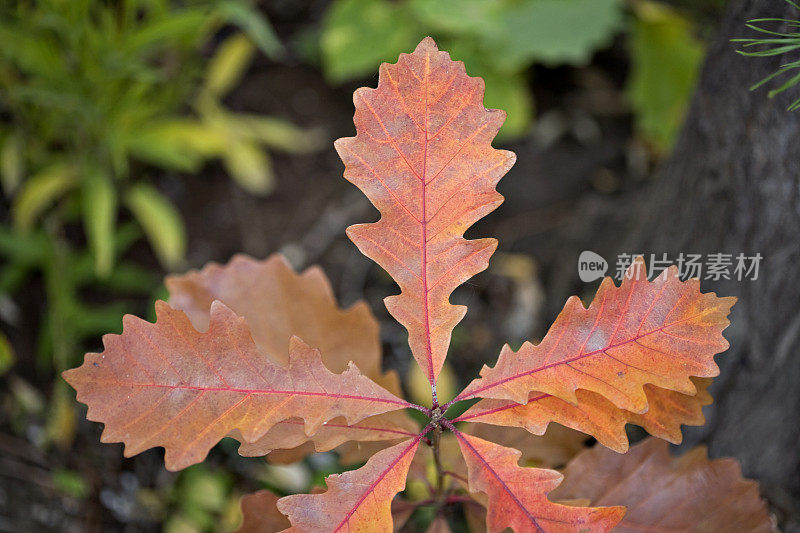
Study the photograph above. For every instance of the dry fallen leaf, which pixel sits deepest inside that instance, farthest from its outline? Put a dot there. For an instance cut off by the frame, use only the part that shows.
(665, 493)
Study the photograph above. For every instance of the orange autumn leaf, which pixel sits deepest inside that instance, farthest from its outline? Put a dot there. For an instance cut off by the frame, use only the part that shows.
(517, 496)
(423, 156)
(665, 493)
(659, 332)
(167, 384)
(596, 416)
(279, 303)
(260, 514)
(553, 449)
(358, 500)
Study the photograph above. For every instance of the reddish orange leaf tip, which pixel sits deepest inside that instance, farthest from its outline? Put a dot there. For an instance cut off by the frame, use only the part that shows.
(422, 154)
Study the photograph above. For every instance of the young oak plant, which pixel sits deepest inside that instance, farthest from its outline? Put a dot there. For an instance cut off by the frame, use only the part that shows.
(255, 351)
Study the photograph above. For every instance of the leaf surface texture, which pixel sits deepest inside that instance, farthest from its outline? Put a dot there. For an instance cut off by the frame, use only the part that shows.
(279, 303)
(358, 500)
(167, 384)
(517, 496)
(423, 156)
(598, 417)
(660, 332)
(665, 493)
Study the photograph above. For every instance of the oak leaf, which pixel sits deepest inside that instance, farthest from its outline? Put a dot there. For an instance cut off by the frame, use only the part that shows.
(423, 156)
(358, 500)
(279, 303)
(659, 332)
(517, 496)
(167, 384)
(598, 417)
(665, 493)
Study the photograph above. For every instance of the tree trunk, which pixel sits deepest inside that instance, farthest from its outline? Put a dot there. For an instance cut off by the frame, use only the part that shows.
(731, 185)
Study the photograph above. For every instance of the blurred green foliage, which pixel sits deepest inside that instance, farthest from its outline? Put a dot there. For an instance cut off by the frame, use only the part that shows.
(7, 355)
(94, 96)
(201, 499)
(70, 483)
(500, 40)
(665, 60)
(776, 43)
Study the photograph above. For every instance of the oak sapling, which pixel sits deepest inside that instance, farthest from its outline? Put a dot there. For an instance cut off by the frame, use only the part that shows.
(255, 351)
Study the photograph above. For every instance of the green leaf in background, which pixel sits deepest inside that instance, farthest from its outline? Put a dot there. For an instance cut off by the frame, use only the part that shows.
(512, 94)
(552, 32)
(28, 249)
(161, 222)
(507, 91)
(7, 356)
(775, 40)
(665, 60)
(11, 164)
(178, 143)
(114, 87)
(99, 212)
(359, 34)
(228, 64)
(187, 25)
(456, 17)
(254, 24)
(249, 166)
(497, 39)
(30, 52)
(202, 495)
(39, 192)
(277, 133)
